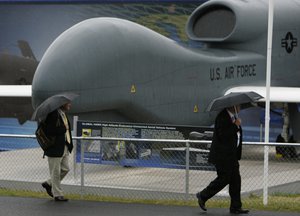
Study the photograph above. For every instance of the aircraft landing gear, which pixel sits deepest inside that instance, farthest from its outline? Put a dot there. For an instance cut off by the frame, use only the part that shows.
(284, 137)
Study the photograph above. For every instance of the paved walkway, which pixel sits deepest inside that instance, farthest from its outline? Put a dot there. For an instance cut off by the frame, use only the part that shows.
(18, 206)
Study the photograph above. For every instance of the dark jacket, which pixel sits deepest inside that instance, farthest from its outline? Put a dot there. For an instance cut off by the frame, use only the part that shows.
(55, 127)
(224, 150)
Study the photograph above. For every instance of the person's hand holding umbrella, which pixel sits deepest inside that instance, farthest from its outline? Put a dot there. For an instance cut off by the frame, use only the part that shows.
(237, 121)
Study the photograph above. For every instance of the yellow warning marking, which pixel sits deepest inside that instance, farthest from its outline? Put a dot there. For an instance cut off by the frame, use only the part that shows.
(133, 90)
(196, 109)
(86, 132)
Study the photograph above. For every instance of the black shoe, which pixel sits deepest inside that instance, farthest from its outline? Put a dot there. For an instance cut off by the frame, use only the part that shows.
(201, 202)
(48, 188)
(60, 199)
(239, 211)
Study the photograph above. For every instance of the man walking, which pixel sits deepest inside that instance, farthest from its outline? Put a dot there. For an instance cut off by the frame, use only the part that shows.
(225, 152)
(58, 126)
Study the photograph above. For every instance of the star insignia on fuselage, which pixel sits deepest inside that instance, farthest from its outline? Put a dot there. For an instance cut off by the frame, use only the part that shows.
(289, 42)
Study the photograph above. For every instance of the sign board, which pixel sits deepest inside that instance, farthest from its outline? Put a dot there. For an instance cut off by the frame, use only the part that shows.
(143, 153)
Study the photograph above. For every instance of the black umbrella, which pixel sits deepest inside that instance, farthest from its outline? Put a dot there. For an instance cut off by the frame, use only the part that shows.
(52, 103)
(245, 99)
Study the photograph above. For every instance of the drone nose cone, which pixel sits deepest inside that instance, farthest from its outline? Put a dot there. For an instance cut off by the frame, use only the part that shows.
(88, 58)
(51, 77)
(71, 61)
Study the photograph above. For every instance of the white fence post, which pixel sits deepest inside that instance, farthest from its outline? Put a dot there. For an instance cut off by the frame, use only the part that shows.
(187, 168)
(75, 120)
(81, 168)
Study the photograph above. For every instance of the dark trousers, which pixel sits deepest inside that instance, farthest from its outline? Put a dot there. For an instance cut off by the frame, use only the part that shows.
(225, 176)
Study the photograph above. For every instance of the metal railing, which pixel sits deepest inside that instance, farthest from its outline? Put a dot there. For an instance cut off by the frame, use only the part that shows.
(172, 175)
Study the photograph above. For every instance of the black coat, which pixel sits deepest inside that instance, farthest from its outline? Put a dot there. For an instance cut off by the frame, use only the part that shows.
(55, 127)
(224, 150)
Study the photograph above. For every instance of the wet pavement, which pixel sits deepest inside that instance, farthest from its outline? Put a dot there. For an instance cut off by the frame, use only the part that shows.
(20, 206)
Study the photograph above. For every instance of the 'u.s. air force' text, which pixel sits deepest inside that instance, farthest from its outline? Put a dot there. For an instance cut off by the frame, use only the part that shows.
(231, 72)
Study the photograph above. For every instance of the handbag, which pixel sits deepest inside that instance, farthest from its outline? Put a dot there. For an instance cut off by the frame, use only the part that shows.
(44, 141)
